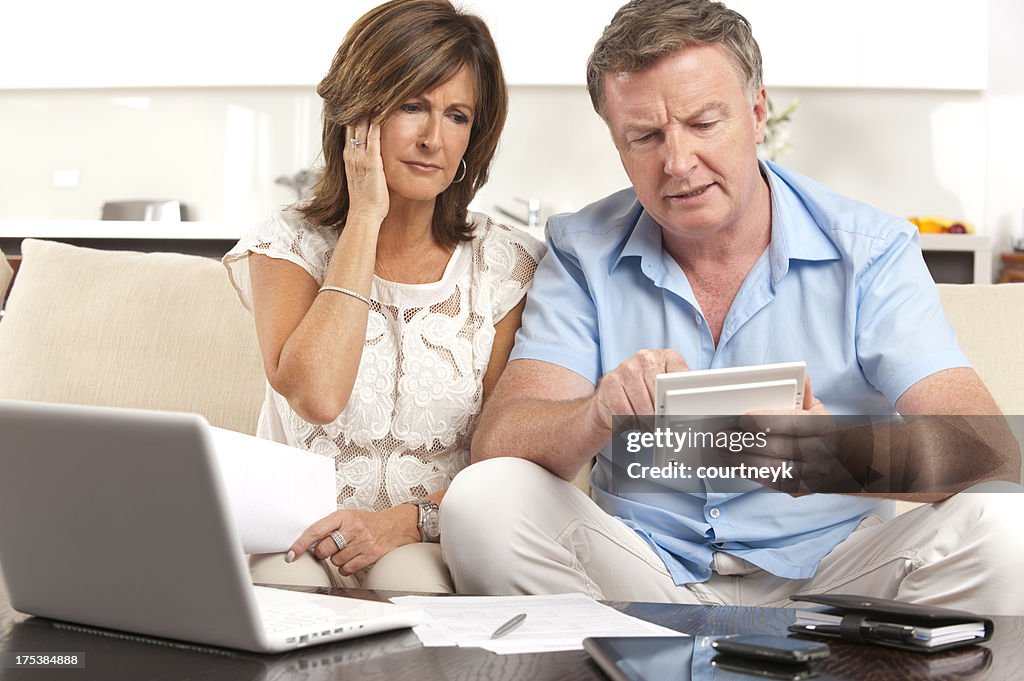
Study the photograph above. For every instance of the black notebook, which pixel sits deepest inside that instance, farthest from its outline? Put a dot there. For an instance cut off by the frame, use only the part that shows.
(864, 619)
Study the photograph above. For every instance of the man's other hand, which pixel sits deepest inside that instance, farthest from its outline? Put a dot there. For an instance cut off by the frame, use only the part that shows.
(810, 446)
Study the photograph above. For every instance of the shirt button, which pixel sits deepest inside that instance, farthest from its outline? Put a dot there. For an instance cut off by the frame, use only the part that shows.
(714, 513)
(698, 319)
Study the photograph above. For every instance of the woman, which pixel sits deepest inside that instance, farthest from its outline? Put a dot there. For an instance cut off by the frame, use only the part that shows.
(385, 313)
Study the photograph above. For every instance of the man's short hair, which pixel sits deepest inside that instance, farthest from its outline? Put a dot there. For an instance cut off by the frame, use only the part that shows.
(644, 31)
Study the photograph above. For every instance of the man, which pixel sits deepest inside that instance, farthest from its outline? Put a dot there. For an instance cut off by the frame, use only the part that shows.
(713, 260)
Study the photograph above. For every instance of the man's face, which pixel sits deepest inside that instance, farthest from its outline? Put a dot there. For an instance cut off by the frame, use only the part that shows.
(687, 134)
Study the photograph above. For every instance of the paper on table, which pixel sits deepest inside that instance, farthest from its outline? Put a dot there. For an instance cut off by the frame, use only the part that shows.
(556, 622)
(274, 491)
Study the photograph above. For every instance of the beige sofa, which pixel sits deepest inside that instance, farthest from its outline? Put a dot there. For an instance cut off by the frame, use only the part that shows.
(166, 331)
(148, 330)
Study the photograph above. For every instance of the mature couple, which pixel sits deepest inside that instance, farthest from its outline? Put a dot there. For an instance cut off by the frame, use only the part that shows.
(387, 317)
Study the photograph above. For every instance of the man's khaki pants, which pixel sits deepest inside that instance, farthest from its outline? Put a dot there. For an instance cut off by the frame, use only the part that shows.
(509, 526)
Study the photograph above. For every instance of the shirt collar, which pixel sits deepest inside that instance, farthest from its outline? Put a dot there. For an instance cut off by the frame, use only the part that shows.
(644, 242)
(795, 234)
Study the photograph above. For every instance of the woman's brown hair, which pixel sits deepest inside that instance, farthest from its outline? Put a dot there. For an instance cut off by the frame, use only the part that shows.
(392, 54)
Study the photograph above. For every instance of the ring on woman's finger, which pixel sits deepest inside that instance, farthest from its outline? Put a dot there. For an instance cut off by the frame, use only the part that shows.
(339, 539)
(356, 143)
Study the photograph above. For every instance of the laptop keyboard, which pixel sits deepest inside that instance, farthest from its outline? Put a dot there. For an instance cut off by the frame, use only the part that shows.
(285, 611)
(303, 618)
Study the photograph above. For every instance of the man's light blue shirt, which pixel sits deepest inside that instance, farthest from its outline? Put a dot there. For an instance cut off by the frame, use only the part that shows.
(842, 287)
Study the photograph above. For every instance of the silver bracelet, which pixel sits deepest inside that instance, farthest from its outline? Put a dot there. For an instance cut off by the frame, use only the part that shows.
(347, 292)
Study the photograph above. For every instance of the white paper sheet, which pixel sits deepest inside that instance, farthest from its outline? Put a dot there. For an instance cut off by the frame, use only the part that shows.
(275, 491)
(556, 622)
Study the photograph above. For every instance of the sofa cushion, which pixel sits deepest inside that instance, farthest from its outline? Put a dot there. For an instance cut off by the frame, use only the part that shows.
(988, 319)
(148, 330)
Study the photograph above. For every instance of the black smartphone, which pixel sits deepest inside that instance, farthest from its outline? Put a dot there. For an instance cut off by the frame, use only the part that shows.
(772, 648)
(731, 668)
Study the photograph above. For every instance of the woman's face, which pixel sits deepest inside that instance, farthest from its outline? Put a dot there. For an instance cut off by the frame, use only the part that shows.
(423, 143)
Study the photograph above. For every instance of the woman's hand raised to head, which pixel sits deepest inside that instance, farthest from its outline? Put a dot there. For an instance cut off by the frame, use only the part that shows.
(367, 187)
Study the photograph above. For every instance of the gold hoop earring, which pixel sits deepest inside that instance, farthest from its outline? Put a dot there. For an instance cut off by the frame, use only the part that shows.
(463, 175)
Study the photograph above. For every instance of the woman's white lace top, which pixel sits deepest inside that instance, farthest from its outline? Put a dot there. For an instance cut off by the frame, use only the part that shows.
(406, 430)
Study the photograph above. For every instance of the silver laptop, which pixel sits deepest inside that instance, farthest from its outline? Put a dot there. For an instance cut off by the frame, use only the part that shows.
(117, 518)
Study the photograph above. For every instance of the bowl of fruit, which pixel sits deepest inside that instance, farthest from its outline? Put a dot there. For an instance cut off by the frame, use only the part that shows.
(931, 224)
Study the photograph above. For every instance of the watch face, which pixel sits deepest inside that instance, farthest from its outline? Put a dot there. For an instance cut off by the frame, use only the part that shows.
(430, 525)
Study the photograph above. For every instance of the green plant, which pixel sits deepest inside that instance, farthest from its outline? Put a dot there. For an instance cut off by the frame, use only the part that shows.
(776, 132)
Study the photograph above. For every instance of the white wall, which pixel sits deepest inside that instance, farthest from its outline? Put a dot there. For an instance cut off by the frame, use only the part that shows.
(909, 152)
(953, 153)
(1005, 114)
(554, 148)
(217, 150)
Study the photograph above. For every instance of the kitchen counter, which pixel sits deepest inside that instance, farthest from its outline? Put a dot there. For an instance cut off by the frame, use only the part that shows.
(117, 229)
(954, 258)
(958, 258)
(198, 238)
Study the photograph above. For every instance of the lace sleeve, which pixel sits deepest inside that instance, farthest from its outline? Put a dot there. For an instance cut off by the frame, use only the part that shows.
(286, 236)
(509, 259)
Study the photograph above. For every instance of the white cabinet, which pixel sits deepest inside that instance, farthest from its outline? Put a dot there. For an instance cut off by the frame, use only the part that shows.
(805, 43)
(958, 258)
(133, 43)
(940, 44)
(127, 43)
(545, 42)
(937, 44)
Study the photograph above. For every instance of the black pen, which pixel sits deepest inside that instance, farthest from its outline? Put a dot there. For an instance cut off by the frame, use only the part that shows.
(509, 626)
(822, 629)
(888, 632)
(878, 631)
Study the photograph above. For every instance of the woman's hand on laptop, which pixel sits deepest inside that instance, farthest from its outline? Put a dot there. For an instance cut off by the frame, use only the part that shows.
(366, 536)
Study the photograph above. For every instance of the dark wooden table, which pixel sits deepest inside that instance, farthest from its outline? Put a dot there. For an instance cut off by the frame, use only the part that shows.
(399, 656)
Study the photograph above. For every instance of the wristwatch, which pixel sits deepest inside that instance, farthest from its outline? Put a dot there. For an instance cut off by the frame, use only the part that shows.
(429, 522)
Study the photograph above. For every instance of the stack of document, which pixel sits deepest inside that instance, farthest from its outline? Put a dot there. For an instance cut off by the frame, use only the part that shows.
(552, 623)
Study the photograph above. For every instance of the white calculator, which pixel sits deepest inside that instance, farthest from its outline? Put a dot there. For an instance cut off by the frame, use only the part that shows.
(732, 391)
